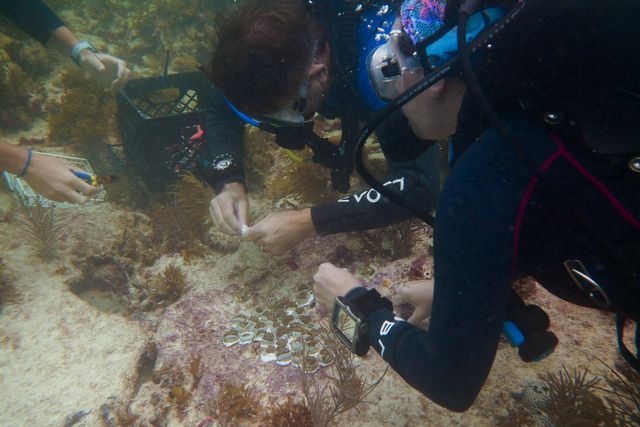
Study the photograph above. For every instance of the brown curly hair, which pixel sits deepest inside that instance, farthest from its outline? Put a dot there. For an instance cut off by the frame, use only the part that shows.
(262, 53)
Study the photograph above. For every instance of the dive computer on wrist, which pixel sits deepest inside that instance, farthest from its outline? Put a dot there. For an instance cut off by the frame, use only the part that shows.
(223, 163)
(350, 322)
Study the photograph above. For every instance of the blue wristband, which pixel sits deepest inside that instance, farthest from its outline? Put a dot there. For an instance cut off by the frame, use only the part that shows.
(26, 164)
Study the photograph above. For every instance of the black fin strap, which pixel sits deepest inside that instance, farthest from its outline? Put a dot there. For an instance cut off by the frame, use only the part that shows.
(634, 361)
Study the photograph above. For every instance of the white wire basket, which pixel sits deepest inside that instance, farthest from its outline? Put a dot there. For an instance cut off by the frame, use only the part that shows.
(20, 187)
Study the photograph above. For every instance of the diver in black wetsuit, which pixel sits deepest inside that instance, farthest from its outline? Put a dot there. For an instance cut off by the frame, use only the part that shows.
(249, 73)
(563, 79)
(48, 176)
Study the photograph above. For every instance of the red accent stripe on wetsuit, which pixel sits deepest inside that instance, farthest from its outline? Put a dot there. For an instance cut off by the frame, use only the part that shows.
(562, 151)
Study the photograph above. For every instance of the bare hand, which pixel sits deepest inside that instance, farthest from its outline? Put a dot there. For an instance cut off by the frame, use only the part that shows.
(105, 68)
(332, 282)
(229, 209)
(54, 180)
(420, 295)
(282, 231)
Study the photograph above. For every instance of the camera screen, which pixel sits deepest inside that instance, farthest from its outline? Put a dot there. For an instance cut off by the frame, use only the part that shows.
(346, 325)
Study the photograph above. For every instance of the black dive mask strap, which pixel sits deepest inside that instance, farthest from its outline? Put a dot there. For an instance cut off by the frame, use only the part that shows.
(633, 360)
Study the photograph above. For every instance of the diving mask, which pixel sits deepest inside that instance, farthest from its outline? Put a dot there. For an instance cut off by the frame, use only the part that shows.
(291, 115)
(388, 62)
(420, 42)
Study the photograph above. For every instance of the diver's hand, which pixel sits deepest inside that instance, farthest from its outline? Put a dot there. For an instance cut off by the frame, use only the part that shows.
(282, 231)
(229, 209)
(419, 294)
(54, 180)
(105, 68)
(332, 282)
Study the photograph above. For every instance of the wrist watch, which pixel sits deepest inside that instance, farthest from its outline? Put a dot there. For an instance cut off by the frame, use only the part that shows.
(223, 163)
(349, 319)
(79, 47)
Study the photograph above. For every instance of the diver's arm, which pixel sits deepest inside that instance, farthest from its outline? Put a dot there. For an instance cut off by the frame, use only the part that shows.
(38, 21)
(62, 41)
(474, 266)
(33, 17)
(414, 175)
(224, 133)
(12, 159)
(364, 210)
(48, 176)
(416, 181)
(449, 363)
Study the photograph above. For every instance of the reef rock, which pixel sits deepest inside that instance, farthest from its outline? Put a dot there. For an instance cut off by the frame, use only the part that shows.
(192, 363)
(20, 99)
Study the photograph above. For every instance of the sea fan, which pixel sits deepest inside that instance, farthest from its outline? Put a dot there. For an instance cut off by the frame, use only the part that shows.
(345, 390)
(571, 400)
(41, 222)
(624, 395)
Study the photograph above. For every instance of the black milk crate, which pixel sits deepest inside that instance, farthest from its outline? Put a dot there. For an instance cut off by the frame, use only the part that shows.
(152, 113)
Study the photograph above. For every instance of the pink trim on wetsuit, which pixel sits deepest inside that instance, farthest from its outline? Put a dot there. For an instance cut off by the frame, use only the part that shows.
(628, 216)
(562, 151)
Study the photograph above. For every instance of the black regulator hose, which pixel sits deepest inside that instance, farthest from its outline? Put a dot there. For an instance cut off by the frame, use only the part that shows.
(376, 121)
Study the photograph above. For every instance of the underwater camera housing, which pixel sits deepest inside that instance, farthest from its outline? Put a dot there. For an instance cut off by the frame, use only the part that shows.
(152, 113)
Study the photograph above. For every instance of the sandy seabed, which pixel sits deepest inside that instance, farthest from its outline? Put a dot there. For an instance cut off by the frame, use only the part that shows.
(61, 352)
